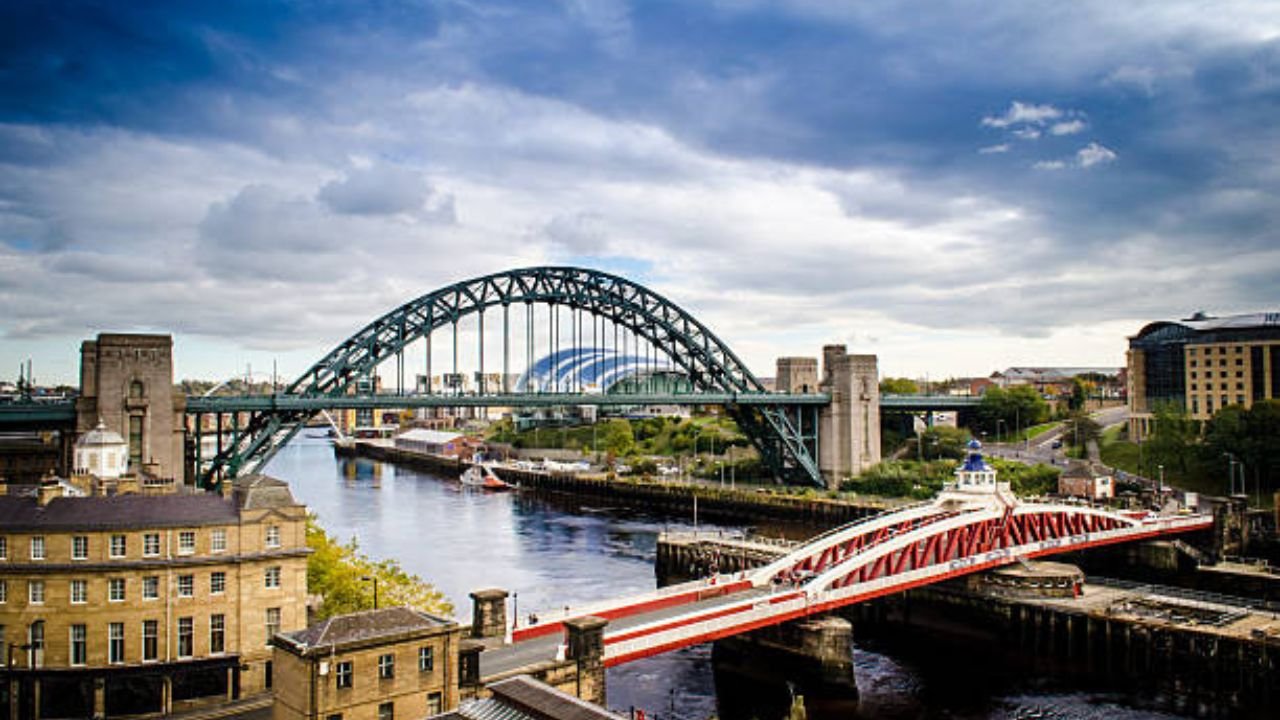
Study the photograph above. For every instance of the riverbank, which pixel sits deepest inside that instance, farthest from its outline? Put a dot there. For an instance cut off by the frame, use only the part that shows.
(715, 502)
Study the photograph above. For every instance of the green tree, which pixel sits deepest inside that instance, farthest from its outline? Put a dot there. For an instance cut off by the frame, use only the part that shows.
(943, 442)
(1173, 440)
(336, 572)
(1078, 429)
(1079, 394)
(898, 386)
(616, 437)
(1006, 410)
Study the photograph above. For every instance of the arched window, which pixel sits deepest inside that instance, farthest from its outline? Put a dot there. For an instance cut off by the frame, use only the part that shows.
(135, 390)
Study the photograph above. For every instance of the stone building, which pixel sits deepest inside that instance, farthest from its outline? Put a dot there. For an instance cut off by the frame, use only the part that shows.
(374, 665)
(126, 383)
(132, 604)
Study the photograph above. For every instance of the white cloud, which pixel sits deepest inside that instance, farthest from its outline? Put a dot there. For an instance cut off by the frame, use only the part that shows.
(993, 149)
(1049, 165)
(1094, 154)
(1068, 127)
(1020, 113)
(1025, 133)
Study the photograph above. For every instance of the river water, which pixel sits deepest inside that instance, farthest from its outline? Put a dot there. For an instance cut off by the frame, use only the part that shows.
(549, 553)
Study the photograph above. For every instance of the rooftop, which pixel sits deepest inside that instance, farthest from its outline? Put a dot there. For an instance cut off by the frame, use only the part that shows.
(361, 628)
(115, 512)
(260, 492)
(523, 698)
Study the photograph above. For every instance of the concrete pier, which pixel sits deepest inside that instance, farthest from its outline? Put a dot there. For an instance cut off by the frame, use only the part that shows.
(813, 656)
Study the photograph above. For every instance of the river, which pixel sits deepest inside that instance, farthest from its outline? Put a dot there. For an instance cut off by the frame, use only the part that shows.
(549, 553)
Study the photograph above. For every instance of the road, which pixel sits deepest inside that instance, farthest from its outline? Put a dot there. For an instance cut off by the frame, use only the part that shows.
(529, 652)
(1041, 449)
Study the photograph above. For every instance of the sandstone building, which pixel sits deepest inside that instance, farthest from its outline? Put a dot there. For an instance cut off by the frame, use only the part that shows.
(133, 604)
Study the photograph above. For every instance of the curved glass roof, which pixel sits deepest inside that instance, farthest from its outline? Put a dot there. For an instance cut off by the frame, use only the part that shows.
(591, 370)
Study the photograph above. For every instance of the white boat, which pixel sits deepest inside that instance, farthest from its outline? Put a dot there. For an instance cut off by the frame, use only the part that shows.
(482, 476)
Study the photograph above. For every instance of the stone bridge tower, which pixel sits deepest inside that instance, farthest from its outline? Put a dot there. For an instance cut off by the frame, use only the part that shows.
(848, 428)
(126, 381)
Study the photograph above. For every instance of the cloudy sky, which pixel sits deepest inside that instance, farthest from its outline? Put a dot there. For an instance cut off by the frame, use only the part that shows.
(955, 185)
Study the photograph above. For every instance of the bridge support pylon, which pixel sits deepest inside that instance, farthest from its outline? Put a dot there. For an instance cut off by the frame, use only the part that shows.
(814, 655)
(848, 428)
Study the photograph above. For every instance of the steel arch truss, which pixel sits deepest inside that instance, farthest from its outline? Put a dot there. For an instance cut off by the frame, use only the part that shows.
(785, 436)
(934, 535)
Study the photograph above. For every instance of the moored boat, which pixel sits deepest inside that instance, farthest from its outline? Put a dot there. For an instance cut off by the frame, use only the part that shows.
(482, 476)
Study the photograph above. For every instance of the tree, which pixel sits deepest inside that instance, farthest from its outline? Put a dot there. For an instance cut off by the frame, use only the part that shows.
(616, 438)
(1079, 429)
(943, 442)
(898, 386)
(336, 572)
(1007, 410)
(1079, 394)
(1173, 438)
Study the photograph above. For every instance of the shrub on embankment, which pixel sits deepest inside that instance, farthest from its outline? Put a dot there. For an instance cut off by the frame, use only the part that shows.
(336, 572)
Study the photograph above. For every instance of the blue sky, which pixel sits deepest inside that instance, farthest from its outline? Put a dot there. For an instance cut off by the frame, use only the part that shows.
(955, 186)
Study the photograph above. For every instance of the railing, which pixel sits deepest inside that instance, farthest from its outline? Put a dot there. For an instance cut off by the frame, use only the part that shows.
(1201, 597)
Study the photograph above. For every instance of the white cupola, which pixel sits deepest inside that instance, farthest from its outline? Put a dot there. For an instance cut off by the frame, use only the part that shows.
(102, 453)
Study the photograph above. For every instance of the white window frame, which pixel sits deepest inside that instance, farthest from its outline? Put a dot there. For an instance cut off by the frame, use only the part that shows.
(273, 536)
(218, 540)
(37, 547)
(123, 549)
(156, 625)
(191, 636)
(271, 578)
(35, 592)
(78, 543)
(151, 545)
(114, 584)
(71, 645)
(222, 632)
(217, 588)
(184, 547)
(82, 586)
(152, 583)
(190, 589)
(112, 658)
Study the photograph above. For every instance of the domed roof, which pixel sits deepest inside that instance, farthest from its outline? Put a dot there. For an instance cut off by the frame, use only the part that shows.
(100, 436)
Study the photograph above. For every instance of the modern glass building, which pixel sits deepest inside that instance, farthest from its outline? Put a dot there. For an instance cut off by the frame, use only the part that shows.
(1202, 364)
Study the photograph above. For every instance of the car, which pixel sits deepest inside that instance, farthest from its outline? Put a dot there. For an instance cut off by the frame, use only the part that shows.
(1057, 444)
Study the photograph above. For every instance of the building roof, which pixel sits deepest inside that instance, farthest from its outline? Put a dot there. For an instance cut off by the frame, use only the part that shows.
(1208, 328)
(115, 512)
(434, 437)
(100, 436)
(523, 698)
(361, 628)
(262, 492)
(1051, 374)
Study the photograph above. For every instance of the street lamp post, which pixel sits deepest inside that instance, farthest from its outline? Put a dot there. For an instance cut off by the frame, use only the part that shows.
(515, 610)
(374, 580)
(1160, 470)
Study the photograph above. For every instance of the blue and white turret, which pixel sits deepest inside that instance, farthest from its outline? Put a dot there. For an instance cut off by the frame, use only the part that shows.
(976, 482)
(975, 475)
